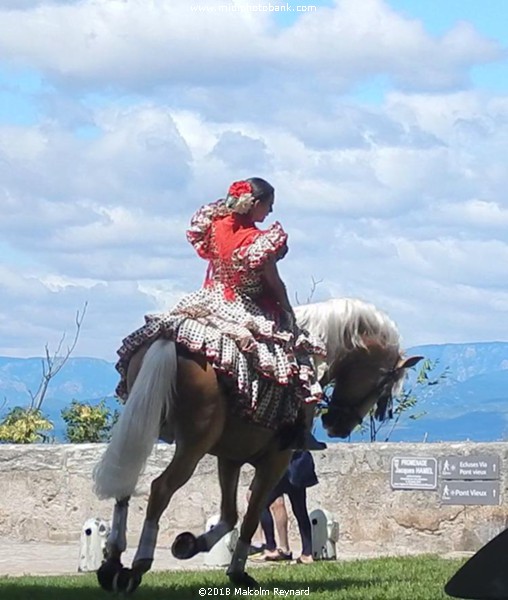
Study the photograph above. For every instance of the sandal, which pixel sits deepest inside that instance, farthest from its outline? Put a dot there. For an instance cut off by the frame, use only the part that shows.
(280, 556)
(299, 561)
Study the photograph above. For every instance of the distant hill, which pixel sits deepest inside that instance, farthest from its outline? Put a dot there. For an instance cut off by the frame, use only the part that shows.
(80, 378)
(471, 403)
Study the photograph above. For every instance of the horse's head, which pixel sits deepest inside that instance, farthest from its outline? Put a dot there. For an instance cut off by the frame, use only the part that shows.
(364, 359)
(364, 377)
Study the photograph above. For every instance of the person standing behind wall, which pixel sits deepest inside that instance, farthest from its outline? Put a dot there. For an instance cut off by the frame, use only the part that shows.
(300, 475)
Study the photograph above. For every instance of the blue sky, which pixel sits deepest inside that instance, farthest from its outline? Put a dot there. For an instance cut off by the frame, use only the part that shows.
(383, 125)
(18, 96)
(438, 17)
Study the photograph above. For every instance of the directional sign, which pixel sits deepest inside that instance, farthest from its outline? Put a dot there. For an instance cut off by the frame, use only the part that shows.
(470, 492)
(478, 466)
(413, 473)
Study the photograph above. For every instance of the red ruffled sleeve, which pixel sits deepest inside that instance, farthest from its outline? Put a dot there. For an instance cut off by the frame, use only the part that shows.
(268, 245)
(199, 232)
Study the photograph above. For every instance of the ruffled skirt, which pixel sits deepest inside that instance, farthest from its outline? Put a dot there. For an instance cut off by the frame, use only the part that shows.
(266, 383)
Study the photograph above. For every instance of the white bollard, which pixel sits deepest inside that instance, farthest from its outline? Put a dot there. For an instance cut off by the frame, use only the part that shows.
(325, 534)
(222, 553)
(94, 535)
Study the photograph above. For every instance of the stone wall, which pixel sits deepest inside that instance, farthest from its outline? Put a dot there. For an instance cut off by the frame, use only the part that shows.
(46, 495)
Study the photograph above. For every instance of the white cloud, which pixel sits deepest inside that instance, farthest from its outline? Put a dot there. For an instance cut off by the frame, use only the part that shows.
(437, 290)
(129, 43)
(482, 215)
(242, 152)
(120, 188)
(138, 44)
(29, 4)
(363, 38)
(114, 228)
(46, 308)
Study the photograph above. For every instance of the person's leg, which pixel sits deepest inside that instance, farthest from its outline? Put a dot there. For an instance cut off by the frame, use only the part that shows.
(280, 515)
(298, 499)
(267, 524)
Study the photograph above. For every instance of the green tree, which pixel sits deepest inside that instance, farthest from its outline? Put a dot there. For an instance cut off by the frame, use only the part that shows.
(88, 423)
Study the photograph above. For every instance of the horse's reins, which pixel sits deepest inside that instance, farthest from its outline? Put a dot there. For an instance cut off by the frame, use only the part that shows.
(351, 410)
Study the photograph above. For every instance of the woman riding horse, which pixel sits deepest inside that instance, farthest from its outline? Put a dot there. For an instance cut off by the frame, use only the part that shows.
(244, 303)
(225, 372)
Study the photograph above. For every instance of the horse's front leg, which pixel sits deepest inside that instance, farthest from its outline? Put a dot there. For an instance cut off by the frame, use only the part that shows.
(269, 471)
(187, 545)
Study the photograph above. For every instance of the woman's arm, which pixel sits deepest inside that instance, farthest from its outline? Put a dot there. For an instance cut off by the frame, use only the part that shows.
(199, 232)
(275, 284)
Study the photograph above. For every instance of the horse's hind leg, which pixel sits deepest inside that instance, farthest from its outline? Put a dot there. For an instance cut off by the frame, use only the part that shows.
(117, 540)
(114, 576)
(112, 569)
(269, 470)
(187, 545)
(172, 479)
(198, 420)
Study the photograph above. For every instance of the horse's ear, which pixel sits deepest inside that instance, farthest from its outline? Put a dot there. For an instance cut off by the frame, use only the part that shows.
(408, 362)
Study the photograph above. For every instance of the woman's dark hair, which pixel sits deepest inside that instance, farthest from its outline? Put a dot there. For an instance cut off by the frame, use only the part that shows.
(261, 189)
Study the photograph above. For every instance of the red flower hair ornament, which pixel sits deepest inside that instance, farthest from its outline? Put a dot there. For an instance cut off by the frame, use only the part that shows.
(240, 198)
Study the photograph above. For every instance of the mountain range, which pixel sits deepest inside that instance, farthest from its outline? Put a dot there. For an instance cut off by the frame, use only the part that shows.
(469, 401)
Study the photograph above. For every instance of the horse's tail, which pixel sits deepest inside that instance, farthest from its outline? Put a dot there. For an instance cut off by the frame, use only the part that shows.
(137, 429)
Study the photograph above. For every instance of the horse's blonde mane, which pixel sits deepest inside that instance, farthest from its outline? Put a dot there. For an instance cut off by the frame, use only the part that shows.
(345, 323)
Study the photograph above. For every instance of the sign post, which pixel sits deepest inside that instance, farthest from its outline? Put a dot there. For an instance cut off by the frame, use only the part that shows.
(413, 473)
(481, 466)
(470, 492)
(470, 480)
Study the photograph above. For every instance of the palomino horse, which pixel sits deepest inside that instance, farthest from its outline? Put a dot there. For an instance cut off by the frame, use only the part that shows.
(176, 396)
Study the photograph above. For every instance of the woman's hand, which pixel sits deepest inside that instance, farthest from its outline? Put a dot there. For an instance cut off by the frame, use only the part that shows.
(247, 343)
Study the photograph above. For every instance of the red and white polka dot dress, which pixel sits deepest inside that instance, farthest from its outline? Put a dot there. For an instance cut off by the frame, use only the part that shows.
(275, 374)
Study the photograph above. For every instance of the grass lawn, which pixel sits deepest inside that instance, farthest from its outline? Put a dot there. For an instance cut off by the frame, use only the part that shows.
(415, 578)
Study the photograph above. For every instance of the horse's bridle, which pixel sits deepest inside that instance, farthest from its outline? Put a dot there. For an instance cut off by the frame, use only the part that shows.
(351, 411)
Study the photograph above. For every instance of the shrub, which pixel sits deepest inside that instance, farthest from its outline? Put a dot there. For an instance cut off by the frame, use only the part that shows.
(25, 426)
(87, 422)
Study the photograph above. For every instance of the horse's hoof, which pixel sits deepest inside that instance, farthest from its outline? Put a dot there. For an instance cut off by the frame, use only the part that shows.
(108, 573)
(126, 581)
(134, 582)
(186, 545)
(142, 565)
(243, 580)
